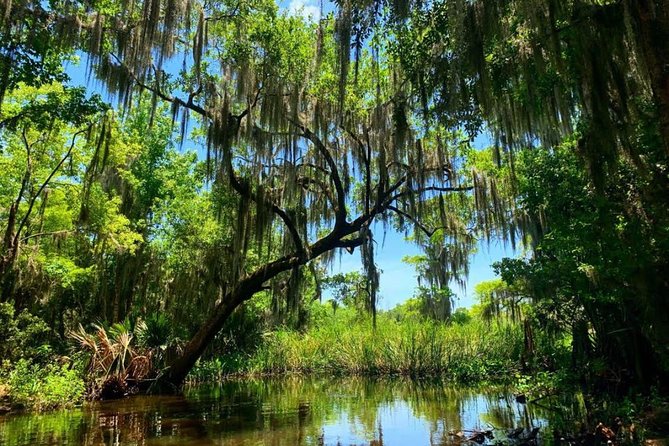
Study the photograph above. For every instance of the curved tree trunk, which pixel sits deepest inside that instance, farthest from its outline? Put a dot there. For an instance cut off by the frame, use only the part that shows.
(246, 288)
(180, 368)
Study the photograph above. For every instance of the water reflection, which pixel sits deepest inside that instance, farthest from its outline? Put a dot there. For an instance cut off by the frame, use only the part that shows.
(287, 411)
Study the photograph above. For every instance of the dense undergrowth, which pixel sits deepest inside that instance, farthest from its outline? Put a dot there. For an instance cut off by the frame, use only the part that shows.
(39, 374)
(33, 375)
(469, 352)
(40, 371)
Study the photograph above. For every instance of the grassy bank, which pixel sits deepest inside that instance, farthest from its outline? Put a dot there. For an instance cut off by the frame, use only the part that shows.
(346, 343)
(467, 350)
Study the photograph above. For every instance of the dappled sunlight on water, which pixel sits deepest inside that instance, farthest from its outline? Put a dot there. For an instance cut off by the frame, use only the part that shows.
(288, 411)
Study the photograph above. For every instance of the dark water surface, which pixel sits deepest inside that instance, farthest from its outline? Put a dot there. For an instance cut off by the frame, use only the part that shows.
(288, 411)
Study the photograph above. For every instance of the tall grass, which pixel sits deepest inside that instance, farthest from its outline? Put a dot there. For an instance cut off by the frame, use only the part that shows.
(346, 344)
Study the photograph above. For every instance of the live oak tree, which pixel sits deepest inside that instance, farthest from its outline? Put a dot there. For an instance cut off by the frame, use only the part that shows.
(314, 148)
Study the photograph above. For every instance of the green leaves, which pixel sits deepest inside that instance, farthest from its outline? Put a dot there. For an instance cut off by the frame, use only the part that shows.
(24, 335)
(40, 107)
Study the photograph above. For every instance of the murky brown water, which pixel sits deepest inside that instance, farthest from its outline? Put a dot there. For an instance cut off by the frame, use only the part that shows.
(288, 411)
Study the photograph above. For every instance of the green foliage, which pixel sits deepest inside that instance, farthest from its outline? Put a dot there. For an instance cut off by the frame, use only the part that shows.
(499, 299)
(595, 268)
(349, 289)
(102, 217)
(114, 361)
(41, 107)
(24, 336)
(435, 303)
(461, 316)
(346, 343)
(43, 387)
(156, 331)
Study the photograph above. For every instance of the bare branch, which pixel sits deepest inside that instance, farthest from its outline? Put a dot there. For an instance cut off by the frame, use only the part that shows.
(428, 232)
(430, 189)
(165, 97)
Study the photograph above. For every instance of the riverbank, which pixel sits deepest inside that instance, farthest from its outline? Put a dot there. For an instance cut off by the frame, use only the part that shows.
(469, 352)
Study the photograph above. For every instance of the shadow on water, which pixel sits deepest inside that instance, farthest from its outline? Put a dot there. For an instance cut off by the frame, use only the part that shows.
(293, 411)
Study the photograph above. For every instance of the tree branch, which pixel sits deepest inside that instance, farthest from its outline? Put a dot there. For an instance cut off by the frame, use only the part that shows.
(306, 181)
(158, 92)
(350, 244)
(229, 15)
(340, 208)
(408, 216)
(430, 189)
(45, 234)
(244, 189)
(24, 220)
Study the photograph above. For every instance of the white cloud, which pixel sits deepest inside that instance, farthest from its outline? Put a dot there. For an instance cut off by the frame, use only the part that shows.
(305, 9)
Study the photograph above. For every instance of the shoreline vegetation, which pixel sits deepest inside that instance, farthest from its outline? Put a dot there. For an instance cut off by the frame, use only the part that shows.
(467, 352)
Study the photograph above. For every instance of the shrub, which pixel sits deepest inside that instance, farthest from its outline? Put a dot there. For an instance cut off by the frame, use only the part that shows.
(36, 387)
(24, 336)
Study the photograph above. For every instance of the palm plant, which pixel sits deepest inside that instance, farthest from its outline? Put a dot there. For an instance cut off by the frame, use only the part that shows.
(115, 364)
(156, 333)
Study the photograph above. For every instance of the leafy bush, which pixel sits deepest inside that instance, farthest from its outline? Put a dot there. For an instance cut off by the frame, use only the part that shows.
(155, 331)
(36, 387)
(24, 336)
(157, 334)
(461, 316)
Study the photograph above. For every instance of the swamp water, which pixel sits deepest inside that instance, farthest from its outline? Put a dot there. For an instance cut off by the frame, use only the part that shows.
(289, 411)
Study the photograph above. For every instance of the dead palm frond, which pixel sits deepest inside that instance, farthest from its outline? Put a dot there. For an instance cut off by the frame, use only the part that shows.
(114, 357)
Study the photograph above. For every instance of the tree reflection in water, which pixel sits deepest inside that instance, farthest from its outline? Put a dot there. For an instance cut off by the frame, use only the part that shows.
(290, 411)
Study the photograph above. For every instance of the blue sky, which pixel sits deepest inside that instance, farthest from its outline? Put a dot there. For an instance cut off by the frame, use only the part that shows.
(398, 280)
